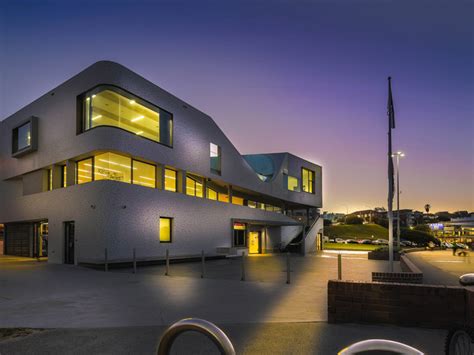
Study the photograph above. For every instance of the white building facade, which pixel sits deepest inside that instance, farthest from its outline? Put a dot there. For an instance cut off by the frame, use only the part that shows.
(109, 161)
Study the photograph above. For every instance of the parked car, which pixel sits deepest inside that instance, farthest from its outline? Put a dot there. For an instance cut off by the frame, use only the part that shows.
(381, 242)
(365, 241)
(351, 241)
(461, 245)
(447, 245)
(339, 240)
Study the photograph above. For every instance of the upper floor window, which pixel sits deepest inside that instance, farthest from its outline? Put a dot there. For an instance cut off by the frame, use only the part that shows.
(211, 194)
(307, 180)
(143, 174)
(193, 187)
(111, 106)
(50, 179)
(215, 155)
(63, 175)
(293, 183)
(24, 137)
(171, 180)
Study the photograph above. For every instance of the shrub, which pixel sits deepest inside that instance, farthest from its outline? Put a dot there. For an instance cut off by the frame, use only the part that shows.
(354, 220)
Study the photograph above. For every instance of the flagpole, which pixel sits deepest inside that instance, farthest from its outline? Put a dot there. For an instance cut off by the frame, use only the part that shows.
(390, 176)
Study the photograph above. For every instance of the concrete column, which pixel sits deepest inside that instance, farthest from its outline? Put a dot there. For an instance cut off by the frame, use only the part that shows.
(160, 177)
(70, 172)
(229, 192)
(181, 181)
(204, 187)
(57, 178)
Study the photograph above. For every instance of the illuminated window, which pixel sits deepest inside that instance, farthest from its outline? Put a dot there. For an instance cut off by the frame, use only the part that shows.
(170, 180)
(111, 106)
(111, 166)
(63, 176)
(252, 204)
(50, 179)
(260, 206)
(237, 200)
(307, 180)
(223, 197)
(144, 174)
(84, 171)
(293, 183)
(166, 225)
(211, 194)
(215, 154)
(193, 187)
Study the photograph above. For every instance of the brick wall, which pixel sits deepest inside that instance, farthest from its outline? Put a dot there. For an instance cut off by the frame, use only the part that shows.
(428, 306)
(411, 274)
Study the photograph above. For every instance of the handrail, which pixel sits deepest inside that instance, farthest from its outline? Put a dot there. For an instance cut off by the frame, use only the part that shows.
(214, 333)
(380, 345)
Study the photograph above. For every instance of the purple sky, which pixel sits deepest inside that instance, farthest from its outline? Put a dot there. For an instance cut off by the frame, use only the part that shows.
(307, 77)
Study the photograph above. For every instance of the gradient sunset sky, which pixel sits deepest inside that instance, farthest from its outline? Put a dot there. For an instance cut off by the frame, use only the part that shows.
(308, 77)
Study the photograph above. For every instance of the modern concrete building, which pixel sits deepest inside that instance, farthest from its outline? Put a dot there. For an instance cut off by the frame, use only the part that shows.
(108, 160)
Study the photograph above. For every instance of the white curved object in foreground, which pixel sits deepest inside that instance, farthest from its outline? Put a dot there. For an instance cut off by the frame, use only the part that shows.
(380, 344)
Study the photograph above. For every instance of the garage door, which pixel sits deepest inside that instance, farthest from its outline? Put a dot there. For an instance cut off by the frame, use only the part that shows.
(19, 239)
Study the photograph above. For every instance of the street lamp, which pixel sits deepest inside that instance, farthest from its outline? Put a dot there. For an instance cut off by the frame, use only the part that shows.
(398, 155)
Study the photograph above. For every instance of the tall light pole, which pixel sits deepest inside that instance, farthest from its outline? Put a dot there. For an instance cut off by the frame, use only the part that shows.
(398, 155)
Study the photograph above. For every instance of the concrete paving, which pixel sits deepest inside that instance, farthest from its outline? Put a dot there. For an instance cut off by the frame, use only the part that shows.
(441, 267)
(37, 294)
(256, 338)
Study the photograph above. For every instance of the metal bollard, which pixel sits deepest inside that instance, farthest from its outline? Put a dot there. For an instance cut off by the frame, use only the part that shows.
(242, 278)
(106, 261)
(203, 259)
(167, 272)
(134, 261)
(339, 267)
(288, 270)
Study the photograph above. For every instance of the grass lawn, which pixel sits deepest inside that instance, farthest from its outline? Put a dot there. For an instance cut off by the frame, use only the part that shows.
(361, 247)
(356, 231)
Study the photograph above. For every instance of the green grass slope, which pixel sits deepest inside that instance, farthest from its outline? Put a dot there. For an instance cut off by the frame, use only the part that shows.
(356, 231)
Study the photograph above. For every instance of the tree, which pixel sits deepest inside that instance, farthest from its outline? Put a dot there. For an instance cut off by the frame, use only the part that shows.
(427, 208)
(354, 220)
(422, 228)
(327, 222)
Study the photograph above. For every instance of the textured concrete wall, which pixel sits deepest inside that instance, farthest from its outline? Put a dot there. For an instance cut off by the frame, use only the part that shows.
(429, 306)
(122, 217)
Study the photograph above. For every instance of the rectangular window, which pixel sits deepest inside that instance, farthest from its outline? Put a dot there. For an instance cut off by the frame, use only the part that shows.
(293, 183)
(84, 171)
(237, 200)
(239, 234)
(307, 180)
(50, 179)
(114, 107)
(166, 225)
(215, 154)
(170, 180)
(211, 194)
(252, 204)
(193, 187)
(111, 166)
(144, 174)
(24, 138)
(63, 176)
(260, 206)
(223, 197)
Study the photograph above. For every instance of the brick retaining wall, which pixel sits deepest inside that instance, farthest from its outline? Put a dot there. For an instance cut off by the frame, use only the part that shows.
(411, 274)
(429, 306)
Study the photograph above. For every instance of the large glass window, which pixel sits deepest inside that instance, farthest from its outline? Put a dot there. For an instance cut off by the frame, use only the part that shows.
(307, 180)
(252, 204)
(215, 154)
(84, 171)
(111, 166)
(63, 176)
(170, 180)
(144, 174)
(193, 187)
(23, 136)
(110, 106)
(50, 179)
(237, 200)
(293, 183)
(166, 225)
(239, 234)
(223, 197)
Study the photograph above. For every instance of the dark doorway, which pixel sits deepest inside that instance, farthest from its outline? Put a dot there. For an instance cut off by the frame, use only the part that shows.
(69, 242)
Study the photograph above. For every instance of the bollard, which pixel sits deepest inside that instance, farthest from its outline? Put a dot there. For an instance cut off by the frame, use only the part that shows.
(134, 261)
(288, 270)
(167, 272)
(242, 278)
(106, 261)
(203, 259)
(339, 266)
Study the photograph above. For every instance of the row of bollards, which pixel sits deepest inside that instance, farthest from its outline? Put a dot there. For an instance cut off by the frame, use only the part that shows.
(203, 261)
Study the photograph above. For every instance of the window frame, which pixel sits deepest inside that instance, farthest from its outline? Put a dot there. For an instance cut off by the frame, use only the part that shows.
(312, 174)
(92, 158)
(33, 146)
(195, 182)
(219, 155)
(143, 162)
(81, 119)
(175, 180)
(171, 219)
(63, 177)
